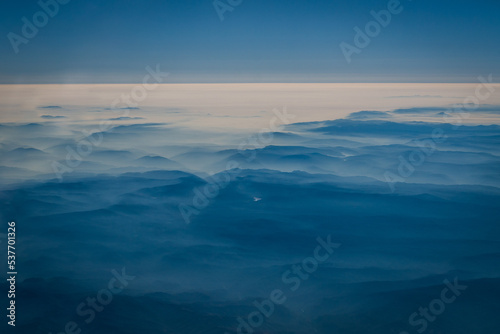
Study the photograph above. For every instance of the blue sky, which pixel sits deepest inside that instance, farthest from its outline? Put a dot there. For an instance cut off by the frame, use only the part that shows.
(259, 41)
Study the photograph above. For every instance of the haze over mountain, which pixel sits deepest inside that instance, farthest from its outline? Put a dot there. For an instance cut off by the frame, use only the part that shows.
(209, 223)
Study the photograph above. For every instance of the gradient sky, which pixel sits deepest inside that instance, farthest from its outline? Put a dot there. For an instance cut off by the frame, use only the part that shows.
(97, 41)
